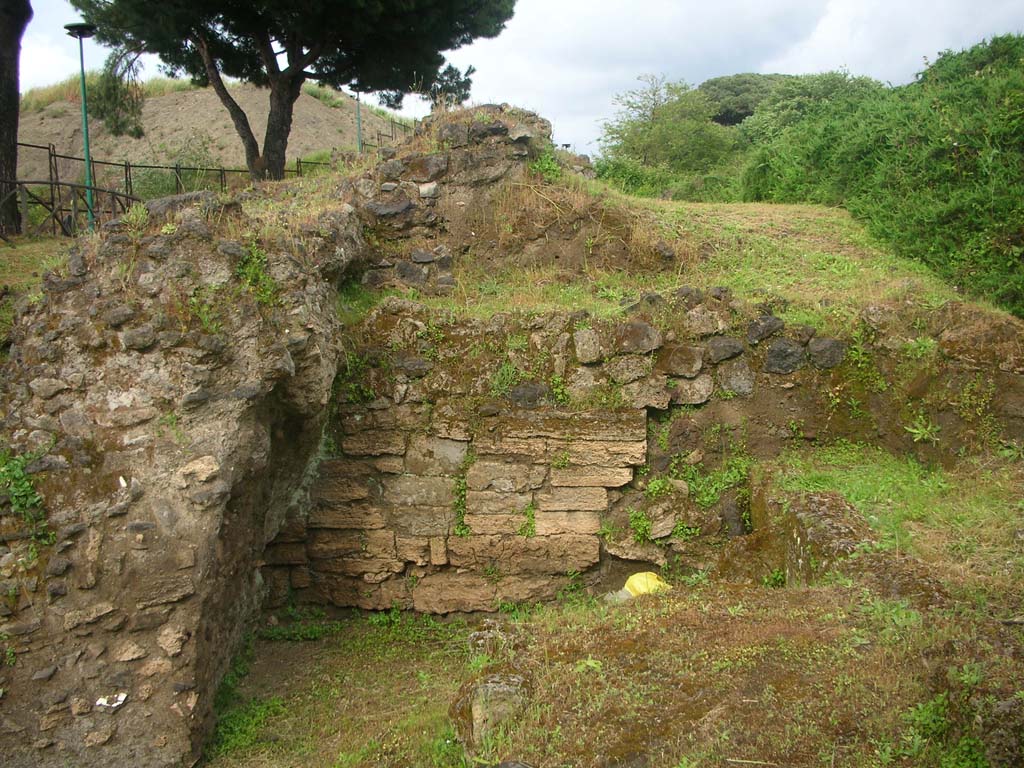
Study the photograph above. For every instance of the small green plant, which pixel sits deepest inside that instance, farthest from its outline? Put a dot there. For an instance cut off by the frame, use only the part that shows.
(203, 306)
(589, 664)
(506, 377)
(169, 228)
(24, 499)
(658, 487)
(573, 591)
(923, 429)
(559, 392)
(136, 219)
(685, 532)
(10, 658)
(251, 270)
(529, 527)
(560, 460)
(169, 421)
(640, 524)
(546, 166)
(775, 580)
(241, 727)
(492, 573)
(920, 348)
(352, 384)
(696, 579)
(459, 490)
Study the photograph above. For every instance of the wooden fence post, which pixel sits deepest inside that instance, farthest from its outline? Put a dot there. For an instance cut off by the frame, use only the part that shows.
(179, 186)
(23, 198)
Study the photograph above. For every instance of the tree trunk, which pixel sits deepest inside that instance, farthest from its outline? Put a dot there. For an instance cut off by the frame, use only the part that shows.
(253, 161)
(283, 94)
(14, 17)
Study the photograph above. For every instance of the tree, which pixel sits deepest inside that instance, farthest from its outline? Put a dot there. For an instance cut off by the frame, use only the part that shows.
(667, 124)
(737, 96)
(451, 87)
(372, 45)
(14, 17)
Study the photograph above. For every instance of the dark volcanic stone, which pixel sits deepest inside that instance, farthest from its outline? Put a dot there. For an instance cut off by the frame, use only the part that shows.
(391, 170)
(410, 273)
(637, 336)
(681, 361)
(428, 168)
(723, 348)
(826, 353)
(528, 394)
(763, 327)
(392, 208)
(784, 356)
(419, 256)
(140, 338)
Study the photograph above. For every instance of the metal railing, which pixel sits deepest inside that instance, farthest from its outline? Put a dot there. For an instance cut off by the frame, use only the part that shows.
(65, 205)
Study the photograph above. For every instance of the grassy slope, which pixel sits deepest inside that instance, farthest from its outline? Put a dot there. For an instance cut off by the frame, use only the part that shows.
(837, 674)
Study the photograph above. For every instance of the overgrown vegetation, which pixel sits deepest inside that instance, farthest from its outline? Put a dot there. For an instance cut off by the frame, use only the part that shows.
(931, 167)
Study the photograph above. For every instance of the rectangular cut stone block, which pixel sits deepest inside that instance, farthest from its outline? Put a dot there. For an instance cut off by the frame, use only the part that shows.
(359, 418)
(325, 544)
(374, 443)
(167, 589)
(505, 477)
(591, 477)
(349, 592)
(434, 456)
(495, 525)
(370, 569)
(290, 553)
(568, 499)
(420, 521)
(392, 465)
(557, 523)
(447, 591)
(593, 425)
(519, 589)
(528, 449)
(517, 554)
(490, 503)
(357, 516)
(413, 491)
(438, 551)
(606, 454)
(300, 577)
(413, 549)
(337, 484)
(292, 529)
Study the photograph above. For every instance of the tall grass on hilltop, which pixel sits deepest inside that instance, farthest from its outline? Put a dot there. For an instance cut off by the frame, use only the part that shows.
(38, 99)
(934, 168)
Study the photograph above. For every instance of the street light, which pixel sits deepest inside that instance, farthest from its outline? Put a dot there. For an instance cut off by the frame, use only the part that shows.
(81, 30)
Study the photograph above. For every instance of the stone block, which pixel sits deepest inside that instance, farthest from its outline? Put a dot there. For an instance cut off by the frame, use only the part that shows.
(693, 391)
(164, 590)
(438, 550)
(434, 456)
(325, 544)
(573, 498)
(505, 477)
(420, 521)
(491, 503)
(357, 516)
(412, 491)
(447, 591)
(413, 549)
(651, 392)
(611, 453)
(517, 554)
(558, 523)
(680, 361)
(591, 477)
(351, 592)
(374, 443)
(588, 345)
(291, 553)
(495, 525)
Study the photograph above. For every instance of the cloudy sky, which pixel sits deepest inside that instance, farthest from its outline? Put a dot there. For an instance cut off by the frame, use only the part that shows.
(568, 58)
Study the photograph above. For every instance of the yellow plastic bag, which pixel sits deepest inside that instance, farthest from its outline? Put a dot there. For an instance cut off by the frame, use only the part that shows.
(646, 583)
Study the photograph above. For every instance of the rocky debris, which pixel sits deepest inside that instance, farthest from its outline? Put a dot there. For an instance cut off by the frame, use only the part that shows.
(763, 328)
(694, 391)
(637, 336)
(723, 348)
(826, 353)
(588, 346)
(681, 361)
(784, 356)
(483, 705)
(735, 376)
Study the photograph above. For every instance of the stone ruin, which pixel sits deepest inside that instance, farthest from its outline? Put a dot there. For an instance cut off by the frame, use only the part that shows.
(202, 454)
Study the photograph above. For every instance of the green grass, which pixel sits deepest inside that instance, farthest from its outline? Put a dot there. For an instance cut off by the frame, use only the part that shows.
(969, 512)
(69, 89)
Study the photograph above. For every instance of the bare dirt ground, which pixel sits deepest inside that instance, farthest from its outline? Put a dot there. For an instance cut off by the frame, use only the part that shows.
(191, 123)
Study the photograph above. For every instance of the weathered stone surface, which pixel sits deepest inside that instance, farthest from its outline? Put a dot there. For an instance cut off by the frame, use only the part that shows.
(623, 370)
(411, 491)
(504, 477)
(826, 353)
(427, 168)
(784, 356)
(573, 498)
(165, 589)
(626, 548)
(692, 391)
(558, 523)
(528, 394)
(537, 555)
(434, 456)
(438, 551)
(681, 361)
(413, 549)
(140, 338)
(88, 615)
(588, 345)
(430, 191)
(390, 208)
(608, 453)
(47, 388)
(286, 553)
(172, 639)
(493, 503)
(592, 477)
(129, 651)
(324, 544)
(763, 327)
(651, 392)
(448, 591)
(723, 348)
(637, 336)
(374, 443)
(704, 321)
(735, 376)
(483, 706)
(340, 482)
(346, 516)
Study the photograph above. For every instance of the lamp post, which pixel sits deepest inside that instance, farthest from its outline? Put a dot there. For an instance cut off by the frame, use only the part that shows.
(81, 31)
